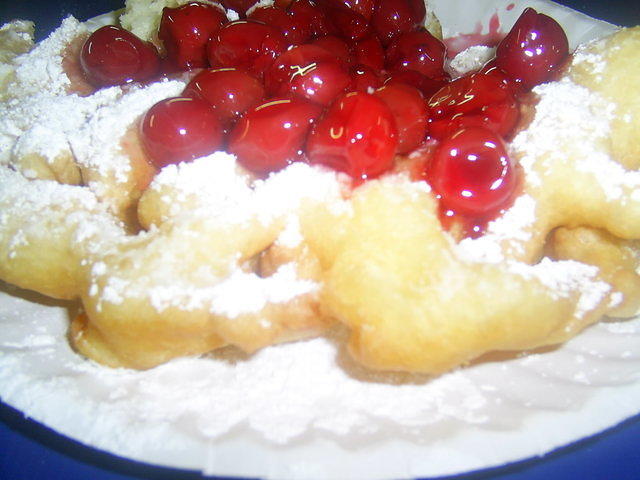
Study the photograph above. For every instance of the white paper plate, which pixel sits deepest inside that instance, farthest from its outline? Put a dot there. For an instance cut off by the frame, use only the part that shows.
(316, 420)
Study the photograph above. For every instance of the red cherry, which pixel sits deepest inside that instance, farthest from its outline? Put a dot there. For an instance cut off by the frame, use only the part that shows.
(393, 17)
(335, 46)
(114, 56)
(350, 24)
(246, 44)
(307, 71)
(472, 173)
(361, 7)
(180, 129)
(295, 32)
(185, 32)
(417, 50)
(308, 13)
(272, 135)
(410, 111)
(369, 51)
(357, 135)
(478, 99)
(428, 86)
(534, 49)
(230, 92)
(364, 79)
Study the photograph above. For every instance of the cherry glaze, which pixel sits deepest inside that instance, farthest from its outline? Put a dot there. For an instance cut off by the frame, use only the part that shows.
(185, 32)
(246, 44)
(272, 135)
(309, 72)
(410, 111)
(179, 129)
(394, 17)
(417, 50)
(533, 50)
(479, 99)
(357, 135)
(472, 173)
(114, 56)
(230, 91)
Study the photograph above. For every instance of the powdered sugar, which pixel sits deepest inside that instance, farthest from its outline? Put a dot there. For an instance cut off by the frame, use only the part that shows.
(505, 236)
(95, 143)
(470, 60)
(570, 123)
(568, 278)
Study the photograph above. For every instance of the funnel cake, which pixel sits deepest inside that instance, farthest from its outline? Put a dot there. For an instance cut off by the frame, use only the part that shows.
(190, 257)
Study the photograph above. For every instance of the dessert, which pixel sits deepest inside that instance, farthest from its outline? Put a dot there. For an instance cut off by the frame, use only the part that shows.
(340, 202)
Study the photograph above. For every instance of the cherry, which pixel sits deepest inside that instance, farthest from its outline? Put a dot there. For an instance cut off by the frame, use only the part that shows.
(393, 17)
(350, 24)
(310, 72)
(230, 91)
(114, 56)
(307, 12)
(472, 173)
(410, 111)
(533, 50)
(417, 50)
(368, 51)
(272, 135)
(428, 86)
(294, 30)
(335, 46)
(185, 31)
(479, 99)
(357, 135)
(246, 44)
(364, 79)
(180, 129)
(361, 7)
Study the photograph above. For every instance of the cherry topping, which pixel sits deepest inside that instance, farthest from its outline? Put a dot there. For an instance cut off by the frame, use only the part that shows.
(428, 86)
(417, 50)
(357, 135)
(471, 172)
(350, 24)
(180, 129)
(364, 79)
(409, 109)
(534, 49)
(368, 51)
(393, 17)
(335, 46)
(272, 135)
(307, 12)
(185, 31)
(246, 44)
(308, 71)
(479, 99)
(294, 30)
(114, 56)
(230, 92)
(361, 7)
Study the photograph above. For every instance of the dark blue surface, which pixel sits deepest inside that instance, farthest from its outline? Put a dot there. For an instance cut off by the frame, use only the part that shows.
(29, 451)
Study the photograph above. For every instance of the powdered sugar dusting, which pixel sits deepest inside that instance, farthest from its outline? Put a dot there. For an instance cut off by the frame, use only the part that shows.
(95, 144)
(505, 236)
(565, 279)
(570, 123)
(470, 60)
